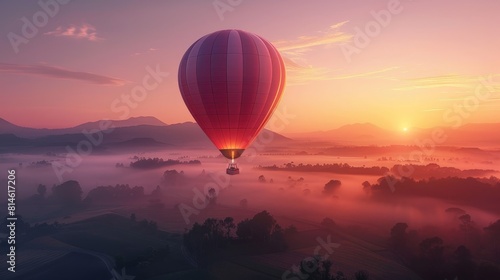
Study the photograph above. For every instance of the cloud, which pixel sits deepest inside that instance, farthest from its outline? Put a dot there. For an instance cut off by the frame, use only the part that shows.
(299, 74)
(146, 51)
(294, 51)
(306, 43)
(86, 32)
(450, 81)
(60, 73)
(366, 74)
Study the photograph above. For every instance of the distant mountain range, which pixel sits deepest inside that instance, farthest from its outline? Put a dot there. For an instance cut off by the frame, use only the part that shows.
(150, 133)
(473, 135)
(27, 132)
(139, 132)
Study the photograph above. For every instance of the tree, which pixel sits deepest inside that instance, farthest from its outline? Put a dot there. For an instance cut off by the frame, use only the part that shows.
(331, 186)
(68, 193)
(212, 196)
(362, 275)
(42, 190)
(431, 258)
(366, 186)
(466, 224)
(290, 230)
(328, 223)
(277, 238)
(432, 248)
(244, 203)
(486, 271)
(228, 226)
(465, 268)
(132, 217)
(259, 228)
(244, 229)
(493, 234)
(399, 235)
(156, 192)
(262, 226)
(262, 179)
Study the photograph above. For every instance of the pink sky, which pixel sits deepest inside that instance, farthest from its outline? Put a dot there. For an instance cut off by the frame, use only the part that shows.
(426, 60)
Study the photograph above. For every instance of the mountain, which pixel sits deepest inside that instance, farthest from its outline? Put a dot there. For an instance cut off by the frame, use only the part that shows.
(358, 133)
(27, 132)
(182, 135)
(473, 135)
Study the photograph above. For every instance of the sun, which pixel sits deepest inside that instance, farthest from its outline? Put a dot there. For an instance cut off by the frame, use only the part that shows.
(405, 129)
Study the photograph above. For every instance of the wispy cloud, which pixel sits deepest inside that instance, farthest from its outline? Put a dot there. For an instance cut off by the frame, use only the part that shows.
(85, 31)
(60, 73)
(366, 74)
(447, 81)
(146, 51)
(294, 51)
(306, 43)
(433, 110)
(299, 74)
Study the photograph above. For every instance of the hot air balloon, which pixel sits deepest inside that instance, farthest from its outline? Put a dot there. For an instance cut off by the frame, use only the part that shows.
(231, 82)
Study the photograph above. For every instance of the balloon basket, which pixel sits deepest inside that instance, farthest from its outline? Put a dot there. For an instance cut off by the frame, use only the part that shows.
(232, 169)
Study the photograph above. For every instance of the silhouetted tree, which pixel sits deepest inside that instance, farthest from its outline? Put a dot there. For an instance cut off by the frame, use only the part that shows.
(42, 190)
(156, 191)
(277, 238)
(262, 179)
(244, 203)
(366, 186)
(431, 256)
(290, 230)
(466, 225)
(212, 196)
(137, 191)
(262, 226)
(487, 271)
(464, 267)
(68, 193)
(399, 236)
(228, 226)
(328, 223)
(493, 235)
(331, 186)
(362, 275)
(244, 229)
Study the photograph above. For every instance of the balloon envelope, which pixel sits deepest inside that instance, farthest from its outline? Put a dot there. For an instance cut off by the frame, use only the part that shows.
(231, 82)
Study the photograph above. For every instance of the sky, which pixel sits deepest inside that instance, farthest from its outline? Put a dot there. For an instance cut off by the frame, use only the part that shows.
(396, 64)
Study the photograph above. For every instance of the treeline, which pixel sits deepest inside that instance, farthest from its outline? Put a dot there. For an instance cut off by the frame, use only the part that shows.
(432, 257)
(434, 170)
(481, 193)
(117, 192)
(339, 168)
(149, 163)
(70, 194)
(25, 231)
(262, 231)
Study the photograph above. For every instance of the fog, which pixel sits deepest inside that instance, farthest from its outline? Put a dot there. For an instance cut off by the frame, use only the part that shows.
(300, 201)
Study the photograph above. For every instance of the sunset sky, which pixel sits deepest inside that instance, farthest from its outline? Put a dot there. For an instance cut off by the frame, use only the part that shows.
(422, 59)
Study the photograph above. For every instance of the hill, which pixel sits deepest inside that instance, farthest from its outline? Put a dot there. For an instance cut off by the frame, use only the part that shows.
(182, 135)
(469, 135)
(28, 132)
